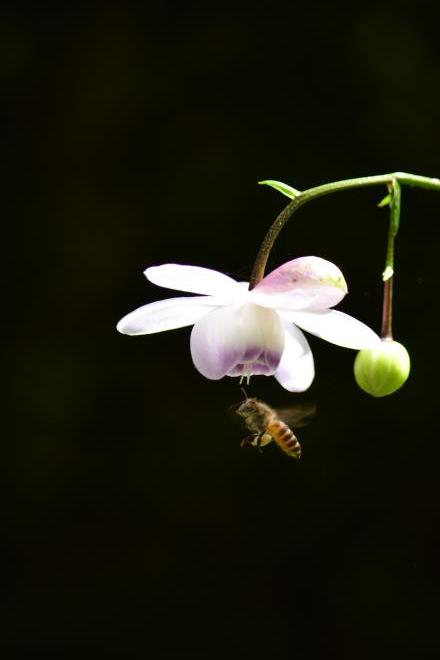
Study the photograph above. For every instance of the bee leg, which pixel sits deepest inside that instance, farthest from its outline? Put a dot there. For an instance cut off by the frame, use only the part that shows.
(257, 442)
(247, 441)
(253, 440)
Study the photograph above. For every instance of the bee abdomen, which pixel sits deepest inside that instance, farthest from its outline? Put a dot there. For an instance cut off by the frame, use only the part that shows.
(285, 438)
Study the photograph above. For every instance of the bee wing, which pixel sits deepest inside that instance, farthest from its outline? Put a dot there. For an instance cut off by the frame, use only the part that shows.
(298, 414)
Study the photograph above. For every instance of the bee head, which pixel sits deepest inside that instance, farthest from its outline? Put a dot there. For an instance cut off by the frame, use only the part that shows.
(248, 407)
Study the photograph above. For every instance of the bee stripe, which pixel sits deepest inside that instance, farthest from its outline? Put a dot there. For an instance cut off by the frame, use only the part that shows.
(281, 428)
(293, 447)
(285, 438)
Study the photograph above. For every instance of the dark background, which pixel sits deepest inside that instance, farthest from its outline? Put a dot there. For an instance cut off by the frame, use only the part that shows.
(135, 136)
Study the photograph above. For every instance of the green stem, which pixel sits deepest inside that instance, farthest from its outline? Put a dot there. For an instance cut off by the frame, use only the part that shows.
(387, 310)
(312, 193)
(388, 274)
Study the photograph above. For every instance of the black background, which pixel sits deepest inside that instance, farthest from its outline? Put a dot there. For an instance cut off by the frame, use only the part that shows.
(135, 135)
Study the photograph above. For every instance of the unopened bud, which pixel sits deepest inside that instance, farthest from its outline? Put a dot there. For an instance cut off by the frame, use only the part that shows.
(382, 370)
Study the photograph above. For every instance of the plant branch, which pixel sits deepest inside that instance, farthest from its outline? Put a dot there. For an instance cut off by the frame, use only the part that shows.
(402, 178)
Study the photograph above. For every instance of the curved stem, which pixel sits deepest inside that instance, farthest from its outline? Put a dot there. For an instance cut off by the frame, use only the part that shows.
(319, 191)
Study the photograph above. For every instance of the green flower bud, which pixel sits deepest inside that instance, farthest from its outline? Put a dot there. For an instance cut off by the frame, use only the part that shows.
(381, 371)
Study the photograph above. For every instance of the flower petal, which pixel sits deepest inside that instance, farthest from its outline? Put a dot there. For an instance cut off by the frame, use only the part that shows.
(303, 283)
(335, 327)
(296, 369)
(166, 315)
(233, 339)
(192, 278)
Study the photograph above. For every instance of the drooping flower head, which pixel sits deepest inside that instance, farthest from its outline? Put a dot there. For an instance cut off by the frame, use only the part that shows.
(238, 332)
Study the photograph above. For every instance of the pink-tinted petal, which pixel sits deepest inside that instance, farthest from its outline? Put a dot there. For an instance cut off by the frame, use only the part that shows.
(193, 279)
(303, 283)
(335, 327)
(166, 315)
(296, 369)
(232, 340)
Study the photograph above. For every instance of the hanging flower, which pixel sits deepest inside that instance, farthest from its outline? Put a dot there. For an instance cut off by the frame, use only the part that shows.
(238, 332)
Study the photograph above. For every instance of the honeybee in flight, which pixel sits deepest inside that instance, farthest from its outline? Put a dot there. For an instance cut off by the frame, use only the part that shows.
(265, 425)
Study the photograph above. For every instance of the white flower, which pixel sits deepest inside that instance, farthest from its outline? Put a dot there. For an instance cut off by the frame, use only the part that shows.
(238, 332)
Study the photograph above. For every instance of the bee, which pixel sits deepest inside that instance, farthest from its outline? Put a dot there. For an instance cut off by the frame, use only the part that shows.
(265, 425)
